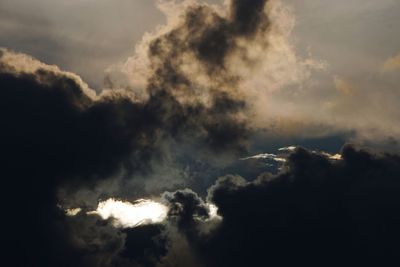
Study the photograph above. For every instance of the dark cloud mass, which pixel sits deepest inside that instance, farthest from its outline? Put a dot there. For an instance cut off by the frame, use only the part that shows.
(57, 134)
(317, 213)
(207, 38)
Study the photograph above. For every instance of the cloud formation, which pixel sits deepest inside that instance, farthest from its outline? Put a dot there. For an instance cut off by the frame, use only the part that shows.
(245, 51)
(130, 215)
(59, 133)
(316, 212)
(191, 98)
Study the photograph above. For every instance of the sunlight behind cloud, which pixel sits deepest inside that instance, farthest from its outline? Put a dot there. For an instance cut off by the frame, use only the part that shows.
(213, 212)
(128, 215)
(72, 212)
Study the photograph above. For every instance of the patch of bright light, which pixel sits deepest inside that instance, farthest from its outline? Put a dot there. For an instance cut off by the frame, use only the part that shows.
(266, 156)
(330, 156)
(288, 149)
(213, 212)
(129, 215)
(335, 157)
(261, 156)
(73, 212)
(281, 160)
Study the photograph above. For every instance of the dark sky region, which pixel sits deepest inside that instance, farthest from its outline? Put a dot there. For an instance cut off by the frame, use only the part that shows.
(188, 133)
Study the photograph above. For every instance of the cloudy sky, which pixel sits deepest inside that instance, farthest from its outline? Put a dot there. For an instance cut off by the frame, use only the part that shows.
(354, 37)
(200, 133)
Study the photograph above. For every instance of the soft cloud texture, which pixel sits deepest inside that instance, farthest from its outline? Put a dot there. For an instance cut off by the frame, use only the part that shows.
(215, 84)
(392, 64)
(83, 36)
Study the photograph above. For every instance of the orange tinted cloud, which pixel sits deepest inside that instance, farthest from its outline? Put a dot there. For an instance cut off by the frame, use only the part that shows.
(392, 64)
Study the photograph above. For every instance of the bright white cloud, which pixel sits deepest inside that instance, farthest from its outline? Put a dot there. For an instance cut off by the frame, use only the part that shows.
(287, 149)
(266, 156)
(128, 215)
(213, 212)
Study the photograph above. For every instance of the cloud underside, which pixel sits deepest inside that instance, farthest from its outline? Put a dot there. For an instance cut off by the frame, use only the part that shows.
(58, 136)
(316, 211)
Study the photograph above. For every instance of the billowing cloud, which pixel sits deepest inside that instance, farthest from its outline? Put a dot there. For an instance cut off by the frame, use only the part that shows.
(185, 107)
(59, 133)
(316, 211)
(204, 48)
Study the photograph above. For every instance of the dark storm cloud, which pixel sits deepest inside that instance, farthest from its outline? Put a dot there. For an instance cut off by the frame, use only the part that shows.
(187, 61)
(198, 46)
(318, 213)
(98, 243)
(55, 132)
(247, 16)
(186, 206)
(208, 38)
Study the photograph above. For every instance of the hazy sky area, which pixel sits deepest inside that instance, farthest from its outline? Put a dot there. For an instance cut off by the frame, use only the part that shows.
(200, 133)
(354, 37)
(83, 36)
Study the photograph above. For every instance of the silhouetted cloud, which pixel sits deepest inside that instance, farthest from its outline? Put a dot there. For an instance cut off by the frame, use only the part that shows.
(57, 132)
(193, 110)
(317, 212)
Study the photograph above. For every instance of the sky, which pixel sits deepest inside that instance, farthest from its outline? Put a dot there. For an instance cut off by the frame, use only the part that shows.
(200, 133)
(354, 36)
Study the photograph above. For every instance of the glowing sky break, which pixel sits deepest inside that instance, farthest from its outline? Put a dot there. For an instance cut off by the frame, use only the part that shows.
(128, 215)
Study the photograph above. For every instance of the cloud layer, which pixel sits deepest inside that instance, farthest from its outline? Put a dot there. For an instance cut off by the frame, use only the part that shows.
(57, 132)
(181, 113)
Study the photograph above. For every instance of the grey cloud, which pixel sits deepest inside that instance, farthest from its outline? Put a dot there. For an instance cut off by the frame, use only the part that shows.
(61, 136)
(316, 211)
(59, 133)
(85, 36)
